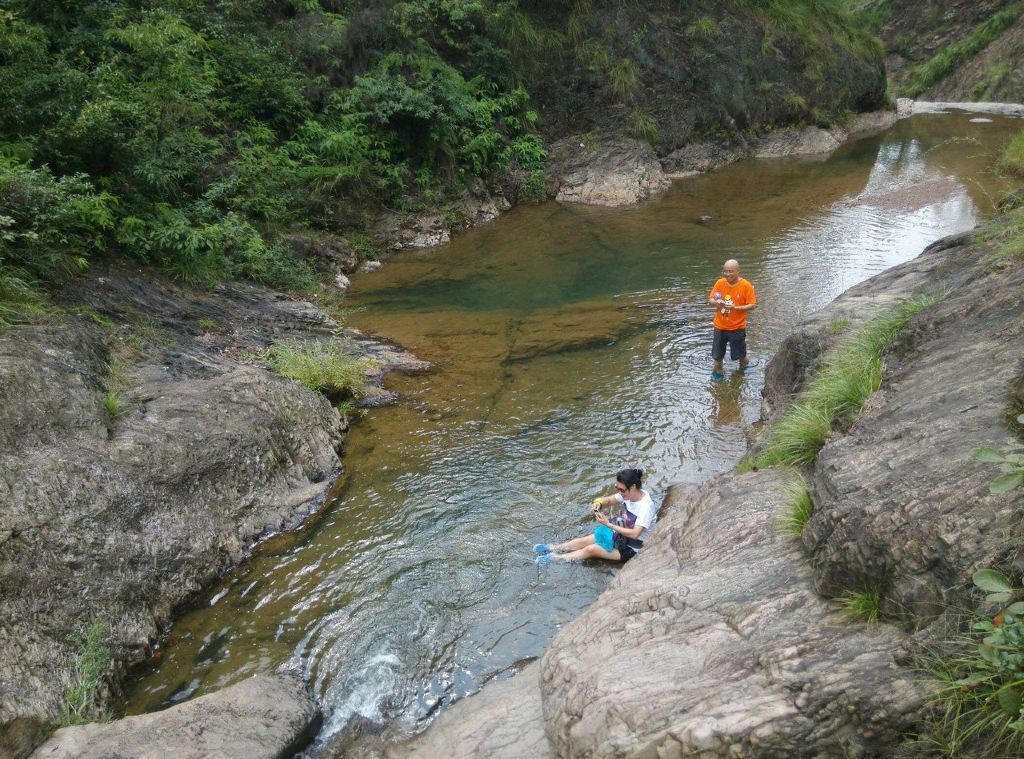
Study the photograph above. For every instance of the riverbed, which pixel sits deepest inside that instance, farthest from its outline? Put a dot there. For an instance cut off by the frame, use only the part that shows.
(567, 342)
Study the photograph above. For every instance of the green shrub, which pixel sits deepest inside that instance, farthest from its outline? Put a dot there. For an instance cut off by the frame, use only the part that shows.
(90, 667)
(322, 366)
(977, 706)
(50, 227)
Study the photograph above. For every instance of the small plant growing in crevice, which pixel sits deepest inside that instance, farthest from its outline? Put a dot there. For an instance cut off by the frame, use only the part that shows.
(978, 704)
(114, 404)
(90, 666)
(798, 507)
(1011, 462)
(862, 605)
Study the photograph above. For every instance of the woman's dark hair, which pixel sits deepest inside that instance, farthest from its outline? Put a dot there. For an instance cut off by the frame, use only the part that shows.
(630, 477)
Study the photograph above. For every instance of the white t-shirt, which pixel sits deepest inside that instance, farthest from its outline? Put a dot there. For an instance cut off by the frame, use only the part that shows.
(640, 512)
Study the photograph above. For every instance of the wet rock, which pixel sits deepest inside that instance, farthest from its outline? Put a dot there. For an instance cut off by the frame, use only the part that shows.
(411, 230)
(504, 721)
(262, 717)
(605, 171)
(699, 157)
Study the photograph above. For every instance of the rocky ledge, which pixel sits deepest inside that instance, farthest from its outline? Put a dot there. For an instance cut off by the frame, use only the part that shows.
(617, 171)
(115, 512)
(723, 637)
(263, 717)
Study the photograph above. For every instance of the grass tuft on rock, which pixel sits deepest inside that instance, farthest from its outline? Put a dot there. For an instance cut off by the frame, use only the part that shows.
(798, 507)
(851, 372)
(1012, 159)
(862, 605)
(322, 366)
(90, 666)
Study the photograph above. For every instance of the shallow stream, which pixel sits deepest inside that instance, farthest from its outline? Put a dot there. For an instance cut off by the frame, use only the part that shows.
(568, 342)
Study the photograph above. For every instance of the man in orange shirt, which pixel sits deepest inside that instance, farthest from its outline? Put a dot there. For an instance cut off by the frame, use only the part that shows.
(732, 296)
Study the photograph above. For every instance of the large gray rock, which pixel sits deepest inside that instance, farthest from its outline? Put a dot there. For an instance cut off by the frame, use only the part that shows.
(605, 171)
(262, 717)
(952, 381)
(714, 643)
(117, 519)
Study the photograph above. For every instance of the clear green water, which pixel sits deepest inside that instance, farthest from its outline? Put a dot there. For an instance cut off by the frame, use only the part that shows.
(568, 342)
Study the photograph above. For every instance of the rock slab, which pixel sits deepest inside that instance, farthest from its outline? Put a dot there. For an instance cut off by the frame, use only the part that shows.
(263, 717)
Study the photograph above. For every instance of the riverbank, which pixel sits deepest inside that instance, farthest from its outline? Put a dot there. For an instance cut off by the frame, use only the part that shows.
(736, 640)
(145, 450)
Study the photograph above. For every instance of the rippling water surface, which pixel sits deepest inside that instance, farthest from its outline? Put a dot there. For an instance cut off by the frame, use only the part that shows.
(568, 342)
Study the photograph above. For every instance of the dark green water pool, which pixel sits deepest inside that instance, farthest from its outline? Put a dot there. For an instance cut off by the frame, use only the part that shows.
(569, 342)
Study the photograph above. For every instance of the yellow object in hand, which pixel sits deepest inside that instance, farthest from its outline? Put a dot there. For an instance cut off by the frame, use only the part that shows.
(598, 502)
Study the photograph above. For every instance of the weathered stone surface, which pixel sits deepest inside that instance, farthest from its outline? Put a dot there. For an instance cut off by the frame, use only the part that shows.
(117, 518)
(502, 722)
(605, 171)
(330, 253)
(714, 643)
(412, 230)
(905, 468)
(698, 157)
(263, 717)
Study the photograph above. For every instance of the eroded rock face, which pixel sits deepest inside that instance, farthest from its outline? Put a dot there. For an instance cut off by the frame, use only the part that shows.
(115, 517)
(900, 504)
(263, 717)
(605, 171)
(716, 643)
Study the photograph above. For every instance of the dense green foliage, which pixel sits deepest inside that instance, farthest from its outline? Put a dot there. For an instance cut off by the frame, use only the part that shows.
(191, 134)
(979, 699)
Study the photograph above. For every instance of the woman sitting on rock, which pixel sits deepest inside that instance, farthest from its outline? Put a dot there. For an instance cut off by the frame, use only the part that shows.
(618, 540)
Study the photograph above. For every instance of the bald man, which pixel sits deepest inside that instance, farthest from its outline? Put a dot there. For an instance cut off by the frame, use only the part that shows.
(732, 297)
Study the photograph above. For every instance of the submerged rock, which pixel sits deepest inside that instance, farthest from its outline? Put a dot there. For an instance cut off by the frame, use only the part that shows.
(263, 717)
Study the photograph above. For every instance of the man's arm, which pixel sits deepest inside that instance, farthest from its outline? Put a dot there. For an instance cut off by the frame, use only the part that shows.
(748, 307)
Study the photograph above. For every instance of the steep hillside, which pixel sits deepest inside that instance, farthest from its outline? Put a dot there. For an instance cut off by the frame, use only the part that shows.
(955, 51)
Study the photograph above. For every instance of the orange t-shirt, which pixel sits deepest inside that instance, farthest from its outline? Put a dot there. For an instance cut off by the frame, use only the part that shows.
(740, 294)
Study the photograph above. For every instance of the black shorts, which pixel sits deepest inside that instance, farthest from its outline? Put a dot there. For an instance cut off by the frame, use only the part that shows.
(626, 551)
(736, 339)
